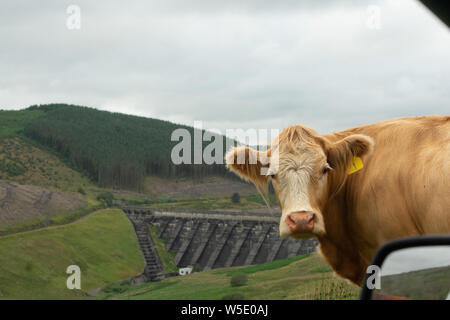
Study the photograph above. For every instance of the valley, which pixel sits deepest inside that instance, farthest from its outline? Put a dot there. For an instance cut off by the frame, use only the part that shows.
(65, 173)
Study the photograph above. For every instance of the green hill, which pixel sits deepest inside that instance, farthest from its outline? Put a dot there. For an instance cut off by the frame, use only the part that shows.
(33, 264)
(22, 161)
(12, 123)
(86, 152)
(300, 277)
(25, 161)
(38, 187)
(115, 150)
(426, 284)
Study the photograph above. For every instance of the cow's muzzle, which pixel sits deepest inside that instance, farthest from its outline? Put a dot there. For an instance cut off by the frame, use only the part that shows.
(301, 221)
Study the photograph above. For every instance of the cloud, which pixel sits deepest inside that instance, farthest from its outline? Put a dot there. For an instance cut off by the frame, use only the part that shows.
(229, 63)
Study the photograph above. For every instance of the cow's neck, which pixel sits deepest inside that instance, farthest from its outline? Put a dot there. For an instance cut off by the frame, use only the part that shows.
(338, 247)
(343, 261)
(344, 246)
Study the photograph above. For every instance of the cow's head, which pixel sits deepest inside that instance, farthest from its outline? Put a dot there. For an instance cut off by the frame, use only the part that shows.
(306, 169)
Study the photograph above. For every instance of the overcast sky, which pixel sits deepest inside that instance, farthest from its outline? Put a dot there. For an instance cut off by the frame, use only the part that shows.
(328, 64)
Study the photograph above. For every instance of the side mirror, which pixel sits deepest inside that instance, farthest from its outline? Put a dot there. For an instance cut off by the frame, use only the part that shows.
(415, 268)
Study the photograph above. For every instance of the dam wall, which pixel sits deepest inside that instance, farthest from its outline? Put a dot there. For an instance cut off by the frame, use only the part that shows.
(211, 239)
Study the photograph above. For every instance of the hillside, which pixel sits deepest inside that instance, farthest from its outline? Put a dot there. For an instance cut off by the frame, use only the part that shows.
(37, 187)
(33, 264)
(186, 187)
(27, 206)
(54, 151)
(104, 246)
(300, 277)
(114, 150)
(55, 162)
(23, 161)
(12, 123)
(427, 284)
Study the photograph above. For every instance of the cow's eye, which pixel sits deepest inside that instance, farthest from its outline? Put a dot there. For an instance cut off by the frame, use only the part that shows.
(326, 169)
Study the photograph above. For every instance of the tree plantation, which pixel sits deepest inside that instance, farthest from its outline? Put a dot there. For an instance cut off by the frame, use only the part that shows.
(115, 150)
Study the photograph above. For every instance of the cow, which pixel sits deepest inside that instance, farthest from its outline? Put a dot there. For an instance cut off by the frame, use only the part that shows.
(356, 189)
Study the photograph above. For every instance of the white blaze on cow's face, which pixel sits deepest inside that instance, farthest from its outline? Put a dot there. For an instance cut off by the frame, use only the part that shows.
(299, 179)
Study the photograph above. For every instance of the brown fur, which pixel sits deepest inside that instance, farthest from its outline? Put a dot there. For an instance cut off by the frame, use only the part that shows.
(403, 189)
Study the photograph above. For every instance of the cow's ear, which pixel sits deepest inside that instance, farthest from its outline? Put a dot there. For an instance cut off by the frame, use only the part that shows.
(358, 144)
(248, 163)
(341, 152)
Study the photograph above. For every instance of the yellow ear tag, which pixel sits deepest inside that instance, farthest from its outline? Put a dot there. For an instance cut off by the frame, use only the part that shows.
(356, 165)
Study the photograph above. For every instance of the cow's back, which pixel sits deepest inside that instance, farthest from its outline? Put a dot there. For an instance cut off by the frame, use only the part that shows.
(404, 188)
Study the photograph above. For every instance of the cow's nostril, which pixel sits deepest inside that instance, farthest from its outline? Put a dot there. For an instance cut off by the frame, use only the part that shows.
(290, 222)
(301, 221)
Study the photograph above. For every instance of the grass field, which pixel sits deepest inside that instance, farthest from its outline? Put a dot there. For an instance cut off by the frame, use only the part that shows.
(33, 264)
(165, 256)
(300, 277)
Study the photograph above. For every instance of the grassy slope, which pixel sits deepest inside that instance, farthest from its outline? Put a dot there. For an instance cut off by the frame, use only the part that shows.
(59, 218)
(301, 277)
(166, 257)
(12, 123)
(103, 245)
(427, 284)
(22, 160)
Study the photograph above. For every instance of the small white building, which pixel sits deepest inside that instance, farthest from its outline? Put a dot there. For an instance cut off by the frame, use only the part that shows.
(185, 271)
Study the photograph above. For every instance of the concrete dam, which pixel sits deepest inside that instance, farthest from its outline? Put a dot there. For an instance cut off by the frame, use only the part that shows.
(212, 239)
